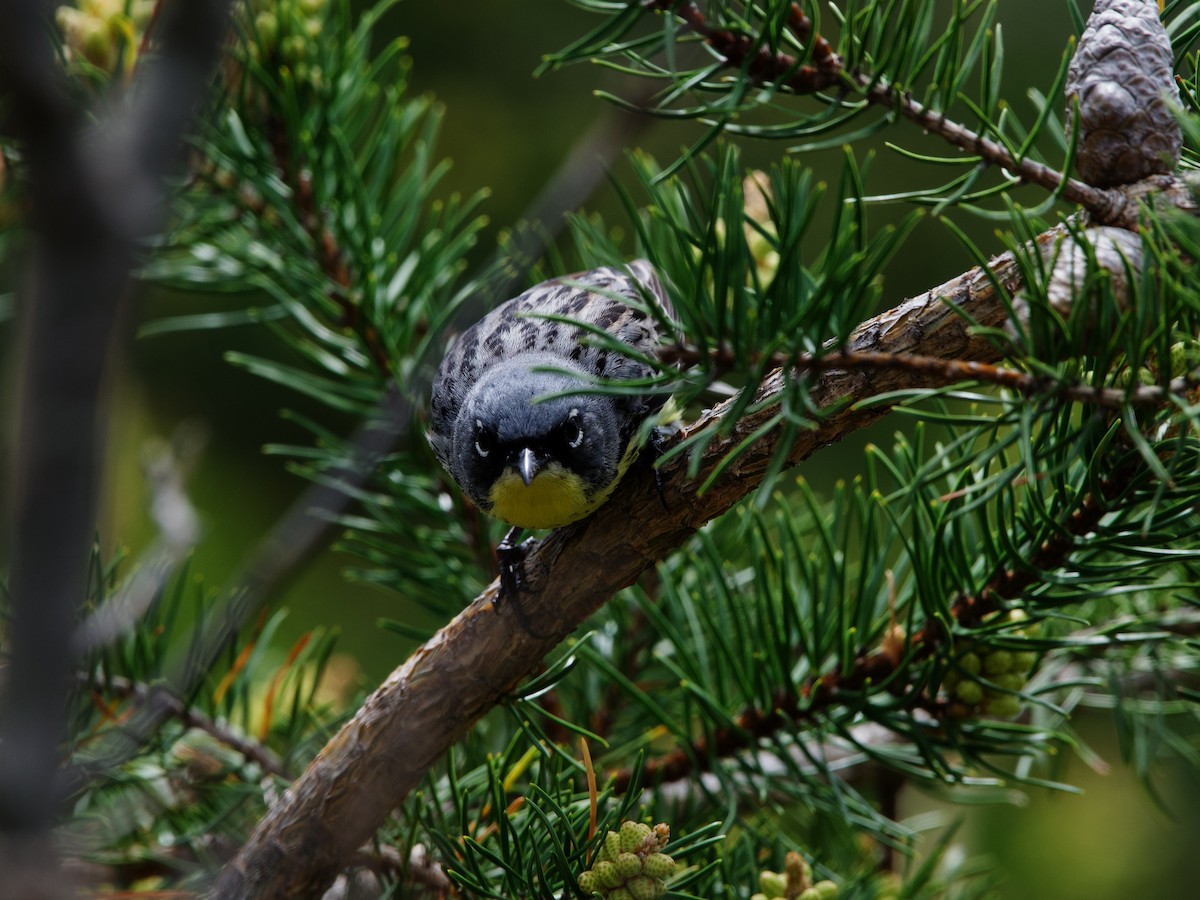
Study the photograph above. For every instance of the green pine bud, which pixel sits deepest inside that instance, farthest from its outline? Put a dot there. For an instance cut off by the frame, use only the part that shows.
(658, 865)
(266, 25)
(607, 875)
(1012, 681)
(1184, 358)
(632, 835)
(809, 894)
(1024, 661)
(628, 864)
(997, 662)
(588, 882)
(1004, 706)
(620, 894)
(827, 889)
(760, 897)
(969, 663)
(612, 846)
(643, 887)
(969, 692)
(773, 884)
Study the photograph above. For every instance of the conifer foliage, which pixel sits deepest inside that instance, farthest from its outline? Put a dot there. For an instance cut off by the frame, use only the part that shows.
(718, 685)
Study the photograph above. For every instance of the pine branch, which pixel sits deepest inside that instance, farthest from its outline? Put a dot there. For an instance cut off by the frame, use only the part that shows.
(681, 766)
(807, 703)
(172, 707)
(825, 70)
(293, 171)
(477, 659)
(949, 371)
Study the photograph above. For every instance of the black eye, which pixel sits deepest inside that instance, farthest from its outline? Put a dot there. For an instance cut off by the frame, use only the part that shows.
(572, 429)
(484, 439)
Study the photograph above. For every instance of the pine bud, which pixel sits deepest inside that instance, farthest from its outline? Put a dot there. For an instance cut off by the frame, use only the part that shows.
(1011, 681)
(588, 882)
(658, 865)
(1002, 706)
(632, 835)
(612, 846)
(606, 874)
(969, 692)
(628, 865)
(643, 887)
(773, 884)
(827, 889)
(1024, 661)
(997, 662)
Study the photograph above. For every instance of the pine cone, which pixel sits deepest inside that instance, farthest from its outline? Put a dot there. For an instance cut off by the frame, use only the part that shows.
(1122, 75)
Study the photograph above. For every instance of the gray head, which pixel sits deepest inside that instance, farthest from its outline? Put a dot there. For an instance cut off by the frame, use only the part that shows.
(500, 427)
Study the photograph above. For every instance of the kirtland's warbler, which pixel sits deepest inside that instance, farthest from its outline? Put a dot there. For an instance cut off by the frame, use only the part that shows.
(521, 453)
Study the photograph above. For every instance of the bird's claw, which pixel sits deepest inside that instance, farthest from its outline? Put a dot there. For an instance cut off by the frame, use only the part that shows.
(510, 559)
(659, 439)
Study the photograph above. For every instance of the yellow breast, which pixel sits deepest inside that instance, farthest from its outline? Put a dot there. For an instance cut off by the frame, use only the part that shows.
(555, 497)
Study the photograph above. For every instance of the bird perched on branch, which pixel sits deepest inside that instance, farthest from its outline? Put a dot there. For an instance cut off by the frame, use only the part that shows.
(511, 419)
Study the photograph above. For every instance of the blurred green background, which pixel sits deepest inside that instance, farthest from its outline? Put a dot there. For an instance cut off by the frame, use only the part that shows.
(507, 131)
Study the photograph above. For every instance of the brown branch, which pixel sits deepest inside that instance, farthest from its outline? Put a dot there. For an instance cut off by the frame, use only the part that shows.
(407, 724)
(822, 72)
(826, 69)
(833, 749)
(148, 695)
(820, 692)
(1104, 205)
(948, 371)
(329, 254)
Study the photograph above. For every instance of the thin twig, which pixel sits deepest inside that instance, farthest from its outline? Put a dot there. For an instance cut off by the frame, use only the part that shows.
(825, 69)
(949, 371)
(148, 695)
(822, 691)
(179, 529)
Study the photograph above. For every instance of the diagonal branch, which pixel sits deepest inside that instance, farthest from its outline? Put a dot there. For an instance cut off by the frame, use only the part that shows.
(824, 70)
(950, 371)
(473, 663)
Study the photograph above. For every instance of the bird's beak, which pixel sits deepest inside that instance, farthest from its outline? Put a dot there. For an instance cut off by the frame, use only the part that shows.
(528, 465)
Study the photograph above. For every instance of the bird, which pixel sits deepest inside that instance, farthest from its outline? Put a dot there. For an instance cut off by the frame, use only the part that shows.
(508, 421)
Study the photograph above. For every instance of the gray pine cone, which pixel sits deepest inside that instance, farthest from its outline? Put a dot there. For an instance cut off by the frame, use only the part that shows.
(1122, 75)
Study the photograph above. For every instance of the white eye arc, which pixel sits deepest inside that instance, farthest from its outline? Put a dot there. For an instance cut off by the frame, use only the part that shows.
(483, 441)
(573, 419)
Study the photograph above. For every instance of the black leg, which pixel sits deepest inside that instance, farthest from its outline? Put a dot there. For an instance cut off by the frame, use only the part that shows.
(510, 557)
(659, 438)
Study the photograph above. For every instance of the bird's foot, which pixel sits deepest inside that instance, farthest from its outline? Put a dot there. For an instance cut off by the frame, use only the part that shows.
(660, 437)
(510, 557)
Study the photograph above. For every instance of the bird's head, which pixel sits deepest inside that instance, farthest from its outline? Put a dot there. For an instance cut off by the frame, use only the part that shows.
(533, 462)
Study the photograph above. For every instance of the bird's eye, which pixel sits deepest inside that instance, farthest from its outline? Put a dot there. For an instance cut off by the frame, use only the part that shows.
(484, 439)
(573, 429)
